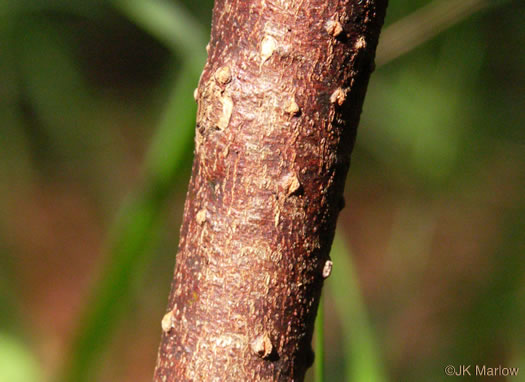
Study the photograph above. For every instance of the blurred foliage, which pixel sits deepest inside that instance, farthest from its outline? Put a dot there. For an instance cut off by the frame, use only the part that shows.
(17, 363)
(96, 104)
(362, 361)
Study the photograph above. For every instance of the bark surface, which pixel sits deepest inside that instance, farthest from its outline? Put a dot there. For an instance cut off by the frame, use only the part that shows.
(279, 103)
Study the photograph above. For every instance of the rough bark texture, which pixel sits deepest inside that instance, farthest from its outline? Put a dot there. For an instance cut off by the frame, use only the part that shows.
(279, 103)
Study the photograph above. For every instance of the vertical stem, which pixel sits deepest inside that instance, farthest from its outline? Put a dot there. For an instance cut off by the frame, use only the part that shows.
(279, 101)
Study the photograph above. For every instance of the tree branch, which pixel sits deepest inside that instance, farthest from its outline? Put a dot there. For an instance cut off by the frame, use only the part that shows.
(279, 103)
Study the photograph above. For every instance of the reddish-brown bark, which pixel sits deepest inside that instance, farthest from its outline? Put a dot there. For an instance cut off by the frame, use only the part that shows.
(279, 103)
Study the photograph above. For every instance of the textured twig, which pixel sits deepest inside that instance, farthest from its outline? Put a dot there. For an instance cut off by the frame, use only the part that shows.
(279, 103)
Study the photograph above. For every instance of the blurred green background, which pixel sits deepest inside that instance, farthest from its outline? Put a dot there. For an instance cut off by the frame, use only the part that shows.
(96, 141)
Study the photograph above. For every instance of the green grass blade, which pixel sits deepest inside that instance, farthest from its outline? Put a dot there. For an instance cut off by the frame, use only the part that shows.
(136, 229)
(319, 343)
(362, 359)
(424, 24)
(171, 24)
(113, 292)
(140, 218)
